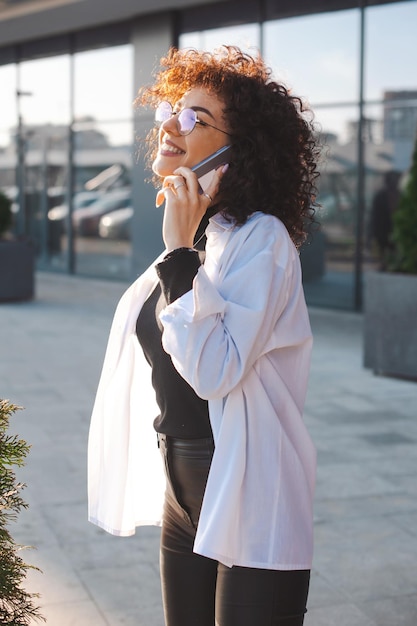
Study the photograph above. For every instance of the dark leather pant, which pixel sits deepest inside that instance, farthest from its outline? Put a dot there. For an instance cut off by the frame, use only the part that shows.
(198, 591)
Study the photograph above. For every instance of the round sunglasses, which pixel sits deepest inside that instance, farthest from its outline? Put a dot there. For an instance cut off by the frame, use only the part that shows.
(186, 118)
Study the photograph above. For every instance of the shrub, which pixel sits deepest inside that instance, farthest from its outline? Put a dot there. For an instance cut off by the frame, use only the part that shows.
(405, 224)
(16, 604)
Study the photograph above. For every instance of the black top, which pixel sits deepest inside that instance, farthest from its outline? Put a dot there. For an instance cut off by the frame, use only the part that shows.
(182, 413)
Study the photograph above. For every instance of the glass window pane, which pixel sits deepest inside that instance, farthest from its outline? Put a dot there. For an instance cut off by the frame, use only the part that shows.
(102, 175)
(45, 113)
(103, 83)
(246, 36)
(8, 124)
(388, 160)
(46, 83)
(328, 261)
(8, 119)
(103, 210)
(103, 159)
(391, 50)
(102, 168)
(317, 56)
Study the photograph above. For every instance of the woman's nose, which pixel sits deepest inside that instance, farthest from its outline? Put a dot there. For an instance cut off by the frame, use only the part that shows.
(170, 125)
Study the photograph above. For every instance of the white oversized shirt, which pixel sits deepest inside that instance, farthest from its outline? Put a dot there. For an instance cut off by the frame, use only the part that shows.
(241, 338)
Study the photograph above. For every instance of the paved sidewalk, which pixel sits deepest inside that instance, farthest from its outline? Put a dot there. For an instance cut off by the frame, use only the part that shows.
(364, 427)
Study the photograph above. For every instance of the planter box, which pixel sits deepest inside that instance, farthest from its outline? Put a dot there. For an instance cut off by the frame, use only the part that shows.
(390, 324)
(17, 271)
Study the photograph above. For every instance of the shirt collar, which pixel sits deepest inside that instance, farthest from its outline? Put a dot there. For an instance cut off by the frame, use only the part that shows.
(221, 222)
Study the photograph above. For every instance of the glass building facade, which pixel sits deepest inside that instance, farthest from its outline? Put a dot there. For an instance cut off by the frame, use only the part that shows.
(69, 150)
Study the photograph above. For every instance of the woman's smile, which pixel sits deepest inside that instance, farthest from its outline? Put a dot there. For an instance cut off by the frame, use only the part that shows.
(167, 148)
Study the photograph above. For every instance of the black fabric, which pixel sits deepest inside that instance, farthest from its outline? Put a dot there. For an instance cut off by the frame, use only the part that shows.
(199, 590)
(176, 273)
(182, 413)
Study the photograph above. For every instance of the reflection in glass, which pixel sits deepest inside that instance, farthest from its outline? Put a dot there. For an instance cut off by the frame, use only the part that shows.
(103, 151)
(102, 226)
(328, 258)
(102, 183)
(391, 51)
(8, 126)
(8, 117)
(103, 84)
(316, 55)
(391, 79)
(246, 36)
(43, 106)
(387, 163)
(47, 80)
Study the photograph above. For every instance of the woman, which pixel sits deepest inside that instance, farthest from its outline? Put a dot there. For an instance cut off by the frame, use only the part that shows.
(217, 331)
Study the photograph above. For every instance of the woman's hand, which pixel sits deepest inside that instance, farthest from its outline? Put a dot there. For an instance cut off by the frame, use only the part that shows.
(184, 205)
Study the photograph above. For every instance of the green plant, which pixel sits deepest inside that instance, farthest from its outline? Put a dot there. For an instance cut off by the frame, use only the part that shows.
(16, 604)
(405, 224)
(5, 213)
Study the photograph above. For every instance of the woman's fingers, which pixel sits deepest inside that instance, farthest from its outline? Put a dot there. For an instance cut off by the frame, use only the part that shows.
(212, 188)
(171, 183)
(184, 180)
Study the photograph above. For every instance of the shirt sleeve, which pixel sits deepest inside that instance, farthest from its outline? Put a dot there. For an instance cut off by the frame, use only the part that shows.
(216, 332)
(176, 273)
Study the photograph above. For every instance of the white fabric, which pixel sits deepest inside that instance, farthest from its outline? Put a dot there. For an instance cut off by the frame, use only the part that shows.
(241, 338)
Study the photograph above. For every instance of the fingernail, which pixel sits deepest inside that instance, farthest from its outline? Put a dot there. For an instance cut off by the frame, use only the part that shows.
(159, 198)
(225, 168)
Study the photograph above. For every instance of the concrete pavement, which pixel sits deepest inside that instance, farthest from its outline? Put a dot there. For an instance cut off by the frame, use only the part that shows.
(364, 427)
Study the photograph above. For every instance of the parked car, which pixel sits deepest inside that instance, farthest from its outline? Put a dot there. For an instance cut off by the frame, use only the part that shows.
(117, 224)
(86, 221)
(12, 193)
(81, 200)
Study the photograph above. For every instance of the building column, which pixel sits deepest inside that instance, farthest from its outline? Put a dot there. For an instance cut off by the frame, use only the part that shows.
(151, 38)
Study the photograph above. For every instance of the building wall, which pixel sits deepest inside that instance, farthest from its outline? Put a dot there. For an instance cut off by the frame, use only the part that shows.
(73, 122)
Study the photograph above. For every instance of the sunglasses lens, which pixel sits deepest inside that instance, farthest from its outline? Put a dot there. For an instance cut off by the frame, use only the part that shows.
(186, 121)
(163, 112)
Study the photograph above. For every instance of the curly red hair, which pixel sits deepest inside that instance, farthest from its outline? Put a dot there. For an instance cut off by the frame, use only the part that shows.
(273, 166)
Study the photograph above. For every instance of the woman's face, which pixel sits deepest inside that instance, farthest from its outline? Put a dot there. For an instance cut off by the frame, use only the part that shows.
(177, 150)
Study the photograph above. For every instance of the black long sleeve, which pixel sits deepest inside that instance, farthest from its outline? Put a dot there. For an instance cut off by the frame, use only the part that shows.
(182, 413)
(176, 273)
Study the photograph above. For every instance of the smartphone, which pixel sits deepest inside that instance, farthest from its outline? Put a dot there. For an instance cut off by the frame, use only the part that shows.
(206, 168)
